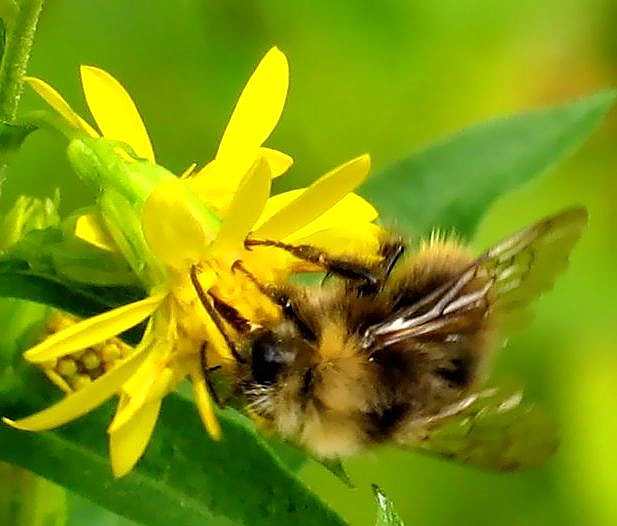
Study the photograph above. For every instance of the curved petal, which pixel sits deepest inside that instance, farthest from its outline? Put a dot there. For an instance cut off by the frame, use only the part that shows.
(55, 100)
(259, 107)
(279, 162)
(85, 399)
(205, 405)
(276, 203)
(93, 330)
(90, 228)
(128, 443)
(216, 342)
(322, 195)
(350, 214)
(217, 181)
(210, 183)
(176, 225)
(114, 111)
(246, 207)
(151, 382)
(361, 240)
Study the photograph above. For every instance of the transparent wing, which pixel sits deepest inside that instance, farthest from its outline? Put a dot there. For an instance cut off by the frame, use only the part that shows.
(526, 265)
(493, 429)
(502, 281)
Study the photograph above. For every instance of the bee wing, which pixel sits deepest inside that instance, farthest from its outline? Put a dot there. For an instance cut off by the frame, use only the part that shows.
(503, 280)
(492, 429)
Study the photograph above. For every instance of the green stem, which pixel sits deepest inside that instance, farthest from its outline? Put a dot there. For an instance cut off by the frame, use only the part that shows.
(16, 56)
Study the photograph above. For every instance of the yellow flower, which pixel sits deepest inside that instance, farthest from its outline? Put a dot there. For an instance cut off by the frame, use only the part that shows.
(175, 222)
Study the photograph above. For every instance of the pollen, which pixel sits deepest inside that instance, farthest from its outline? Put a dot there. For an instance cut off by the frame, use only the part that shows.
(77, 370)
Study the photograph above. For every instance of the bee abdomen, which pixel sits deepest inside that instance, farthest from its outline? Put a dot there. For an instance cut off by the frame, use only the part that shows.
(382, 425)
(457, 373)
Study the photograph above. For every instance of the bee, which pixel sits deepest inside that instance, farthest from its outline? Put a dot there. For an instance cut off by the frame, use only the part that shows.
(396, 351)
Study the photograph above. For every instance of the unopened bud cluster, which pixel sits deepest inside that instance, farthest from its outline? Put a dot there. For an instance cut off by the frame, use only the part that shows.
(78, 369)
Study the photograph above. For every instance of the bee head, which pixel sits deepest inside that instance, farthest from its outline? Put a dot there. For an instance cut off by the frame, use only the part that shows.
(270, 355)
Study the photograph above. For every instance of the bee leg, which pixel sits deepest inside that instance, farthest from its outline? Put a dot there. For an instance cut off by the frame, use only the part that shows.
(280, 298)
(206, 372)
(344, 268)
(391, 251)
(230, 314)
(214, 315)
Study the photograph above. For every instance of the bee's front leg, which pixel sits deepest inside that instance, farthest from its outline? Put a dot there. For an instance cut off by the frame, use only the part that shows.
(344, 268)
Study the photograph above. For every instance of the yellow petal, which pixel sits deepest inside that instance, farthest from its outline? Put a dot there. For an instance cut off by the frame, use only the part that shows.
(55, 100)
(114, 111)
(350, 214)
(176, 226)
(279, 162)
(216, 341)
(209, 181)
(93, 330)
(217, 182)
(152, 382)
(128, 443)
(361, 240)
(204, 404)
(322, 195)
(276, 203)
(84, 400)
(90, 228)
(246, 207)
(259, 107)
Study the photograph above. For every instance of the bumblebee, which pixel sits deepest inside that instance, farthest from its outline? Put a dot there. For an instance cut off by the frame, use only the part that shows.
(396, 351)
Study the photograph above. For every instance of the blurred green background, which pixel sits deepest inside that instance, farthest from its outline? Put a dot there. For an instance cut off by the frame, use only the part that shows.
(389, 77)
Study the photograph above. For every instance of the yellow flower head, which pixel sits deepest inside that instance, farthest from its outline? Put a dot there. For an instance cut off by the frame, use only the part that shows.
(177, 220)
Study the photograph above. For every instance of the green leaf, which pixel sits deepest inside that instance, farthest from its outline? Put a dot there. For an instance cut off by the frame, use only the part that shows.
(27, 214)
(335, 466)
(386, 515)
(28, 500)
(184, 478)
(81, 300)
(292, 456)
(451, 184)
(81, 512)
(22, 322)
(51, 251)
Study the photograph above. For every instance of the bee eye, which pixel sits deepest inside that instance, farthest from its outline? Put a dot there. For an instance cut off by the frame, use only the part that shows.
(268, 357)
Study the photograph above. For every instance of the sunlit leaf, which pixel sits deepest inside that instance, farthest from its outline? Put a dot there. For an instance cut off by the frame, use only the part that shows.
(335, 466)
(452, 183)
